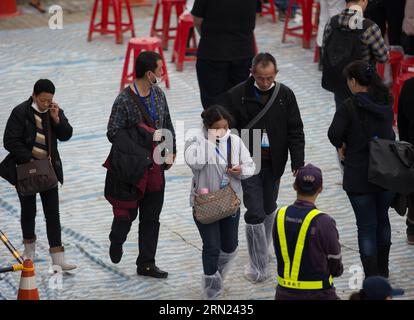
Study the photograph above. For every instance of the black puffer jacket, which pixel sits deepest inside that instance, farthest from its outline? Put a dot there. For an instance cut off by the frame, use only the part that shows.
(20, 135)
(357, 121)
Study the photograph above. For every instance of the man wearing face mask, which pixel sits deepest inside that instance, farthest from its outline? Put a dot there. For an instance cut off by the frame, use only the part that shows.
(141, 104)
(270, 109)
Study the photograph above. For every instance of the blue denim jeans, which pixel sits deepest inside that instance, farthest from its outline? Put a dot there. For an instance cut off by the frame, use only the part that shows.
(371, 212)
(221, 235)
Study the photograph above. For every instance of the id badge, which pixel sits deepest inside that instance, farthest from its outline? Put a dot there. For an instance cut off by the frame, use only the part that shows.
(265, 140)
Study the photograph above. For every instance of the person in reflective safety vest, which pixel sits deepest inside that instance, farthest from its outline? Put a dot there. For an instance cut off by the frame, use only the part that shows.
(306, 244)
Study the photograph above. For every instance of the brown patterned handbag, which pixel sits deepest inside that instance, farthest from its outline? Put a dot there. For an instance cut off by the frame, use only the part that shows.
(217, 205)
(38, 175)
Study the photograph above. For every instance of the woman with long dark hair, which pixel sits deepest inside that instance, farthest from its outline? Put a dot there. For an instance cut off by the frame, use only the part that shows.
(365, 115)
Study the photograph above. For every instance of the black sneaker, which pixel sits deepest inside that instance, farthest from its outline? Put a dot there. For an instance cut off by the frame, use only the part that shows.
(115, 252)
(152, 271)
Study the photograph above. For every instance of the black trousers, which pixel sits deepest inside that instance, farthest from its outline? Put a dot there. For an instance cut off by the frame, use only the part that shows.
(260, 194)
(149, 226)
(216, 77)
(50, 203)
(408, 44)
(389, 12)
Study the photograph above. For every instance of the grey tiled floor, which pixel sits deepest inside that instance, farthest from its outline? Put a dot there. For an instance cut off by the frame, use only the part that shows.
(87, 77)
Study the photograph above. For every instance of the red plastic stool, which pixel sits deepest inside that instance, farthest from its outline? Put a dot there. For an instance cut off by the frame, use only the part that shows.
(396, 89)
(185, 24)
(406, 65)
(308, 28)
(165, 30)
(137, 45)
(394, 60)
(8, 8)
(268, 7)
(102, 26)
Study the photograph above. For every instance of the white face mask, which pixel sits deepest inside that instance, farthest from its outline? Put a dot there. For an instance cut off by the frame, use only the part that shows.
(220, 134)
(257, 86)
(157, 80)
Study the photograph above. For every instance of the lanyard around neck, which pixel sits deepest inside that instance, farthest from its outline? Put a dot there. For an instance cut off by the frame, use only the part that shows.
(220, 154)
(152, 112)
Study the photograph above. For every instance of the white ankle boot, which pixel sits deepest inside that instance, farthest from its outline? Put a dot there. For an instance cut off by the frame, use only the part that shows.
(29, 251)
(58, 258)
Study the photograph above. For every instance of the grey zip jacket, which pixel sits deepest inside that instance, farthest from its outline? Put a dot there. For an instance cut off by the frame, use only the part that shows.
(209, 165)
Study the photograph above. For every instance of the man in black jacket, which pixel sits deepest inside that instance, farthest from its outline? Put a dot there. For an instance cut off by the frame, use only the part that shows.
(406, 133)
(26, 138)
(280, 130)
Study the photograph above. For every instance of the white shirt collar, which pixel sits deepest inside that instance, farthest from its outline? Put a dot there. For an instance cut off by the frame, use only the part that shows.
(34, 106)
(256, 85)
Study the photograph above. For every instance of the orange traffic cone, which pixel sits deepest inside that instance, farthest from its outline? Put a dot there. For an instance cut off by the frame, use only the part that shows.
(27, 288)
(8, 8)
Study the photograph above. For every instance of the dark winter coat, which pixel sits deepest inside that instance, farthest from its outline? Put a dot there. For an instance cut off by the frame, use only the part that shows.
(131, 168)
(282, 122)
(406, 112)
(356, 121)
(19, 138)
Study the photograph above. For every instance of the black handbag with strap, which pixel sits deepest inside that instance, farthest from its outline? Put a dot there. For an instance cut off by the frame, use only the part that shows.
(37, 175)
(391, 165)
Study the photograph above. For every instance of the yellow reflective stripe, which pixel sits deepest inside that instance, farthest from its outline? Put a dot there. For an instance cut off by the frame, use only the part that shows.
(282, 241)
(301, 285)
(300, 244)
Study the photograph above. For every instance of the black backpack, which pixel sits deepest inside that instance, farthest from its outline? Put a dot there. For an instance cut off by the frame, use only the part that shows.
(342, 47)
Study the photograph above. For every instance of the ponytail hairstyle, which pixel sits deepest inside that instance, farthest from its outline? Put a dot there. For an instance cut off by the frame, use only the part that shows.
(215, 113)
(366, 75)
